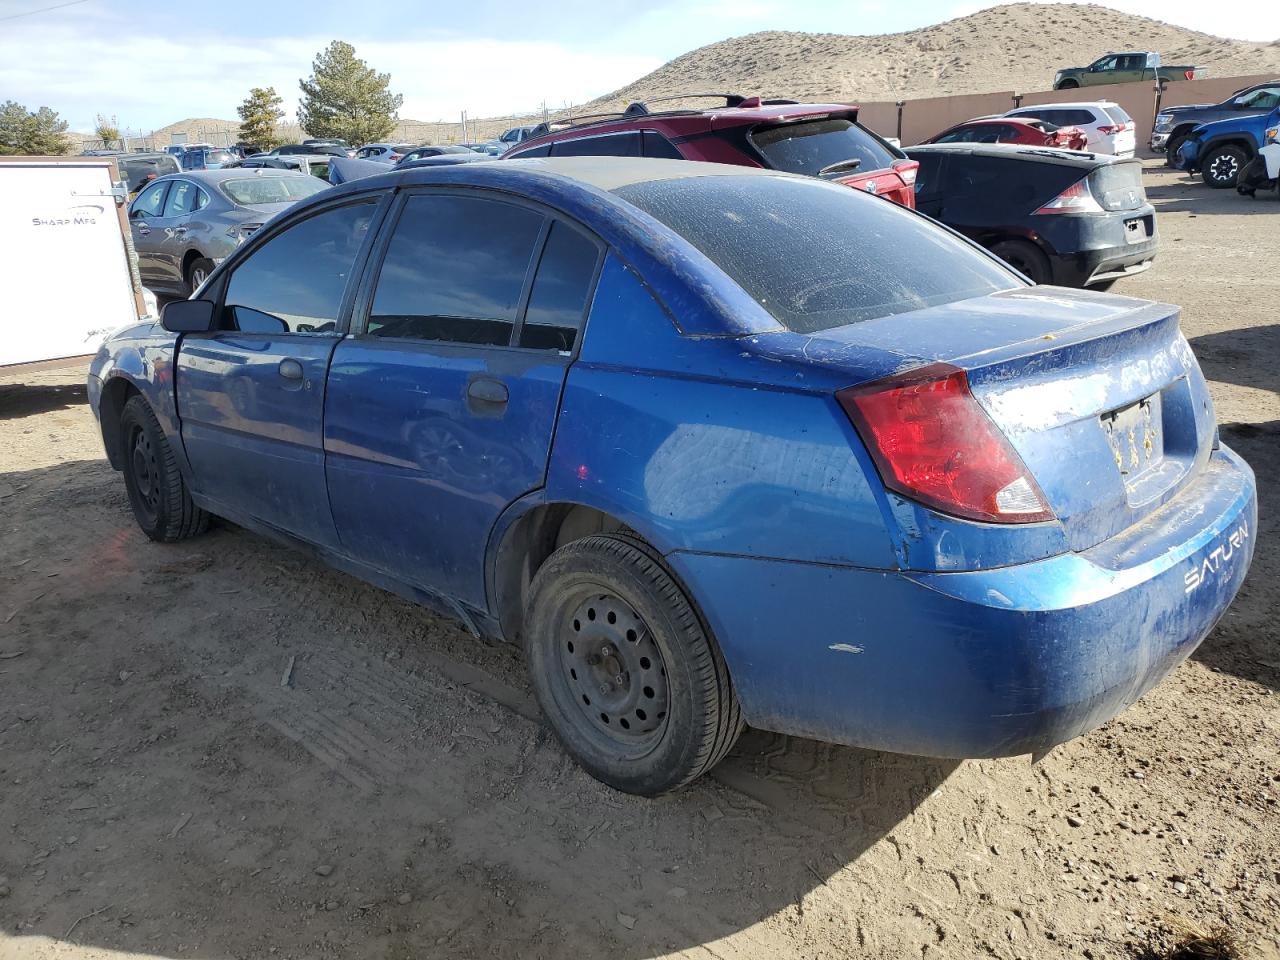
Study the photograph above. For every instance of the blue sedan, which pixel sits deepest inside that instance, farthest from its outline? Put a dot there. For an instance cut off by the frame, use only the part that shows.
(718, 446)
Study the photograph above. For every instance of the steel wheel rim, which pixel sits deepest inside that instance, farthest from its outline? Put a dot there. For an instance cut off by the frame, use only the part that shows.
(611, 668)
(145, 473)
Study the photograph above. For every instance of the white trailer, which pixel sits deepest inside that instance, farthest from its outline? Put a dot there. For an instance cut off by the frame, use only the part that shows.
(70, 276)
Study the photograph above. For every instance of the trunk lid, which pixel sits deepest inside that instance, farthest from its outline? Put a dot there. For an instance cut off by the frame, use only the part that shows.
(1100, 395)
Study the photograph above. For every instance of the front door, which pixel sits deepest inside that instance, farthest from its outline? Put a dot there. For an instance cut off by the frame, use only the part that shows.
(251, 395)
(441, 407)
(144, 224)
(169, 233)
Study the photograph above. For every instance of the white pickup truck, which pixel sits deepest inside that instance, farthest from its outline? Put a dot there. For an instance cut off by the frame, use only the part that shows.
(70, 274)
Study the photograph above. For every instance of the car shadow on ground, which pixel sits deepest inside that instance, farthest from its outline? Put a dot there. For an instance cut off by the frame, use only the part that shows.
(168, 792)
(25, 400)
(1195, 197)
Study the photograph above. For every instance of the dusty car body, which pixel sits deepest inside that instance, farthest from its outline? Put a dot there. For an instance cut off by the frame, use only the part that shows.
(834, 491)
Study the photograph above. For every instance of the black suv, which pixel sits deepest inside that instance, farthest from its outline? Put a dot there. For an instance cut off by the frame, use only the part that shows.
(1174, 123)
(1059, 216)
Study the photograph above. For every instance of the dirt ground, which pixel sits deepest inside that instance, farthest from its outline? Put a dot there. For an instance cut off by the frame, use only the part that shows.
(163, 795)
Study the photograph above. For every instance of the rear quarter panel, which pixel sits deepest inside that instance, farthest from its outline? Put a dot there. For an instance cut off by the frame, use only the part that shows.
(700, 445)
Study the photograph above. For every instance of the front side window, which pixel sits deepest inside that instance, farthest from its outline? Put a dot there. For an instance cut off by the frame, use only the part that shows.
(656, 145)
(810, 146)
(150, 202)
(294, 282)
(455, 270)
(561, 291)
(816, 255)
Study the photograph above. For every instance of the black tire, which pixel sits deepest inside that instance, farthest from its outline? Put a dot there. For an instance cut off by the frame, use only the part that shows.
(1068, 85)
(1172, 147)
(1221, 167)
(197, 273)
(158, 494)
(604, 612)
(1025, 256)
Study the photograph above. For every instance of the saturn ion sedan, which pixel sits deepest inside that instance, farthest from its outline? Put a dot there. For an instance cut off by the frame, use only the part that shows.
(718, 445)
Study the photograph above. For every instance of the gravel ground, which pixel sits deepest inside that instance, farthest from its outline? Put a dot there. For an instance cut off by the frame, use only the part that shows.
(163, 795)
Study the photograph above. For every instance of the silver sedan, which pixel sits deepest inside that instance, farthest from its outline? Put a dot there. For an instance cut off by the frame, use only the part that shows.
(185, 224)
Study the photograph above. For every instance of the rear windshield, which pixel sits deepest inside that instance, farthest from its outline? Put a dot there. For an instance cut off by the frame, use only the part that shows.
(1118, 186)
(253, 190)
(1118, 115)
(817, 255)
(218, 156)
(810, 146)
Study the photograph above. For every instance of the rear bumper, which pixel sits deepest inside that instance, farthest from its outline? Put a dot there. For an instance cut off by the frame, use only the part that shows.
(1091, 249)
(980, 664)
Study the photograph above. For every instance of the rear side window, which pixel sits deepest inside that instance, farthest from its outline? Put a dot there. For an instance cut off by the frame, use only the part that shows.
(182, 199)
(542, 151)
(656, 145)
(810, 146)
(817, 255)
(607, 145)
(455, 270)
(561, 290)
(294, 282)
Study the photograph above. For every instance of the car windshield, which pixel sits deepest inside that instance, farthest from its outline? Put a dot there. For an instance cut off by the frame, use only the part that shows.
(253, 190)
(809, 146)
(817, 255)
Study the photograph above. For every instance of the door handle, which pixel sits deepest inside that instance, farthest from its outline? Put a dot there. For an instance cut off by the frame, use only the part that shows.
(487, 391)
(143, 229)
(290, 369)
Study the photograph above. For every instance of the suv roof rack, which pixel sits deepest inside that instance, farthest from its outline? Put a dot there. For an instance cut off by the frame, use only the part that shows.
(640, 108)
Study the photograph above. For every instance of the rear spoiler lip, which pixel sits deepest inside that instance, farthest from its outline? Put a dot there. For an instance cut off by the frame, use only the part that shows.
(1141, 314)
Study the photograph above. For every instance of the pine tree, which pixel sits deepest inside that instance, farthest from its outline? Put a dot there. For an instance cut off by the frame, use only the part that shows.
(346, 98)
(29, 133)
(259, 115)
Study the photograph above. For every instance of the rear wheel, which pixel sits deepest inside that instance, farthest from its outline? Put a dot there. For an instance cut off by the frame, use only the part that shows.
(1026, 257)
(1221, 168)
(629, 678)
(198, 273)
(158, 494)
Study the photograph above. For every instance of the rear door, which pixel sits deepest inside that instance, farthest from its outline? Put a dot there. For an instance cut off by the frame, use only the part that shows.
(251, 395)
(442, 404)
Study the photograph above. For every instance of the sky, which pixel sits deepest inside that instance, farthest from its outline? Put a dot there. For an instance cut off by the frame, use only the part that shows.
(153, 64)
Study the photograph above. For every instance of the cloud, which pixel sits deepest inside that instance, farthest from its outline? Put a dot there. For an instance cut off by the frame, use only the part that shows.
(149, 79)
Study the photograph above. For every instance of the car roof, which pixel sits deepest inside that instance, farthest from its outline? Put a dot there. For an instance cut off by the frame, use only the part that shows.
(1077, 104)
(1069, 158)
(232, 173)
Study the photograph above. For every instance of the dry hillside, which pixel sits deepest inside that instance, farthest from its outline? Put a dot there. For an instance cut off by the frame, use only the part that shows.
(1015, 47)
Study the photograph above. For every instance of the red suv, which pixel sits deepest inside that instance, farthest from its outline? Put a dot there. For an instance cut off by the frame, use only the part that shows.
(818, 139)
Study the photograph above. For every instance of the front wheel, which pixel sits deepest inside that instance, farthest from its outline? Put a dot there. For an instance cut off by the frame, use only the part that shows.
(624, 669)
(158, 494)
(1221, 168)
(1171, 150)
(1068, 85)
(1026, 257)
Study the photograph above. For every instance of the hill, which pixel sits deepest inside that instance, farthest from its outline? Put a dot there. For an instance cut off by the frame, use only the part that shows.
(1014, 47)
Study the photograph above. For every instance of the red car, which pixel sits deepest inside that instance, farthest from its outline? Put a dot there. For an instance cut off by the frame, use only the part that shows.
(1028, 131)
(818, 139)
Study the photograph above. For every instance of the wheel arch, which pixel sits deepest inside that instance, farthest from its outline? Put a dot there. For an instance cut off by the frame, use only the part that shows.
(525, 537)
(1229, 140)
(116, 392)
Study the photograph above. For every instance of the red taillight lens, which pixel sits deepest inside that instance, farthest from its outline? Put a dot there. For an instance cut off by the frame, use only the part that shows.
(906, 169)
(933, 443)
(1115, 128)
(1077, 198)
(395, 157)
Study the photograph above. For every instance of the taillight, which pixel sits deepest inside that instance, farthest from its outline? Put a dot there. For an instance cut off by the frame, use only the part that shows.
(1077, 198)
(1114, 128)
(396, 156)
(906, 169)
(933, 443)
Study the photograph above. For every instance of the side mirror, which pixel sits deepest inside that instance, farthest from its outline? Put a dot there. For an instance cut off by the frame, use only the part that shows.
(135, 214)
(187, 316)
